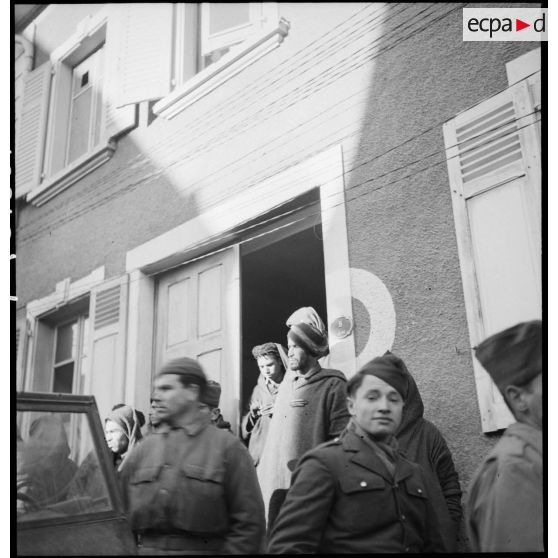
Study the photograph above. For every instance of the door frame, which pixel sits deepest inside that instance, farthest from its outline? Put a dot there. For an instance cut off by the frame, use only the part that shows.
(200, 236)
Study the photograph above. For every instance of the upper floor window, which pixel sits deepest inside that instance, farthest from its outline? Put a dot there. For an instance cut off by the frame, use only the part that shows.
(69, 115)
(86, 106)
(207, 40)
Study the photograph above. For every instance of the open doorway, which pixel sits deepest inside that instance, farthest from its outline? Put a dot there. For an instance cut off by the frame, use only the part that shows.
(277, 278)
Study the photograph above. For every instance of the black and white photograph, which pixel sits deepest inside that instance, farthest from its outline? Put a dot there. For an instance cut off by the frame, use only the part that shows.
(278, 278)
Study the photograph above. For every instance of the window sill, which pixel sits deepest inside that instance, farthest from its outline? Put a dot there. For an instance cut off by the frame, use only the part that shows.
(216, 74)
(71, 174)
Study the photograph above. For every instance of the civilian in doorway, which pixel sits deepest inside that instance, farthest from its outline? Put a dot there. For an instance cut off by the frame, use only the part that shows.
(272, 362)
(310, 407)
(505, 505)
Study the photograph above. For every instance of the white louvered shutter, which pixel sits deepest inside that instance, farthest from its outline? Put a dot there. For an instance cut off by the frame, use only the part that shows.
(495, 177)
(107, 350)
(146, 52)
(118, 120)
(31, 130)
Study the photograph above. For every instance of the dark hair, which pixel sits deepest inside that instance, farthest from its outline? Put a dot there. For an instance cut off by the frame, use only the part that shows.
(267, 349)
(356, 381)
(118, 406)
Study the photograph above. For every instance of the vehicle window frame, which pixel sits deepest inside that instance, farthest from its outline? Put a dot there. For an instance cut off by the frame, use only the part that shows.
(68, 403)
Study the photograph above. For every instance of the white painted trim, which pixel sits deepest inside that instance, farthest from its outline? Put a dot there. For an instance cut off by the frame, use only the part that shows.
(139, 341)
(65, 292)
(72, 173)
(214, 75)
(325, 171)
(523, 66)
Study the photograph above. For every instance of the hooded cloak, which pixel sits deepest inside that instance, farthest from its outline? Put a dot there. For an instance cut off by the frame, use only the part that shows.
(420, 441)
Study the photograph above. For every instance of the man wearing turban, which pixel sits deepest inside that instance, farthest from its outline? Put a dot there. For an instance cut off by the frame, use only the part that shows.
(309, 408)
(505, 511)
(189, 487)
(357, 493)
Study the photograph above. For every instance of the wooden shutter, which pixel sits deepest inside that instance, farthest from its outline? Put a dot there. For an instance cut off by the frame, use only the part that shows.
(146, 52)
(107, 343)
(118, 120)
(32, 128)
(495, 178)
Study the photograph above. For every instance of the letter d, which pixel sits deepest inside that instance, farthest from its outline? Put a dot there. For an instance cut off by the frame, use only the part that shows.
(542, 21)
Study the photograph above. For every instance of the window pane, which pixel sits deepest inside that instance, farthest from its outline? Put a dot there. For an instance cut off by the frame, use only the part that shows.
(58, 470)
(63, 378)
(225, 16)
(66, 342)
(79, 125)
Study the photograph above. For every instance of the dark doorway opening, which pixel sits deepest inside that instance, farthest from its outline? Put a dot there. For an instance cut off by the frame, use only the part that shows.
(277, 278)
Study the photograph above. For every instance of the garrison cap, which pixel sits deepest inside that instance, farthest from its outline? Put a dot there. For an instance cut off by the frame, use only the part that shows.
(188, 368)
(513, 356)
(211, 394)
(391, 370)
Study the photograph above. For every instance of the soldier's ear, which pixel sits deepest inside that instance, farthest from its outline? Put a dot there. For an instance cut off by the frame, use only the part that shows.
(515, 399)
(351, 405)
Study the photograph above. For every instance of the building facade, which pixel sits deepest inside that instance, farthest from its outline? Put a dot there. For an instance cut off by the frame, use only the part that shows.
(187, 175)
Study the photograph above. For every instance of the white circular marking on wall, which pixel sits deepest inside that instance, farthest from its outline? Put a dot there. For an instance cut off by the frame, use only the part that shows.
(374, 295)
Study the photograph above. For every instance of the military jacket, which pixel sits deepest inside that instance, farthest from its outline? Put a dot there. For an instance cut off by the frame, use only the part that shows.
(344, 500)
(505, 506)
(200, 481)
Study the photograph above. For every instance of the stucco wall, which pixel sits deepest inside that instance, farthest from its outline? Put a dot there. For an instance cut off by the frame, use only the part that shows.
(370, 79)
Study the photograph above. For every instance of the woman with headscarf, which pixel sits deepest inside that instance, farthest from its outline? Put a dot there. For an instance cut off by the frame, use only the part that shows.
(421, 441)
(123, 431)
(272, 362)
(46, 471)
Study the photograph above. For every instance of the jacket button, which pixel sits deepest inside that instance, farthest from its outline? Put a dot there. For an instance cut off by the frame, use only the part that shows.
(396, 485)
(407, 549)
(363, 484)
(419, 490)
(403, 517)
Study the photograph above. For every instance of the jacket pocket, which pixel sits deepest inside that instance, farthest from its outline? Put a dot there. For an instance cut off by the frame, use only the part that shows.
(415, 487)
(361, 502)
(352, 484)
(202, 505)
(145, 474)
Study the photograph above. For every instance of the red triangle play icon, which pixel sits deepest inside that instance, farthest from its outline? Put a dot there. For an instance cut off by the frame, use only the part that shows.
(519, 25)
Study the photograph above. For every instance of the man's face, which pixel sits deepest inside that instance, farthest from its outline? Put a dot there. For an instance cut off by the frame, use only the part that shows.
(208, 412)
(117, 440)
(171, 399)
(299, 359)
(270, 367)
(533, 395)
(376, 407)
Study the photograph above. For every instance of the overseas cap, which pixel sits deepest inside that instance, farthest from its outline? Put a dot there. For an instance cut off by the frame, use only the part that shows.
(391, 370)
(513, 356)
(186, 367)
(211, 394)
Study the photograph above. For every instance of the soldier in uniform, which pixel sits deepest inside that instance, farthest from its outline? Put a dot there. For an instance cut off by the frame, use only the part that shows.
(505, 505)
(191, 488)
(357, 494)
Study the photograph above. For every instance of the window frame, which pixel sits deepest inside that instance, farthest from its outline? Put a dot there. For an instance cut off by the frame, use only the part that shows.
(259, 15)
(81, 318)
(257, 40)
(90, 36)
